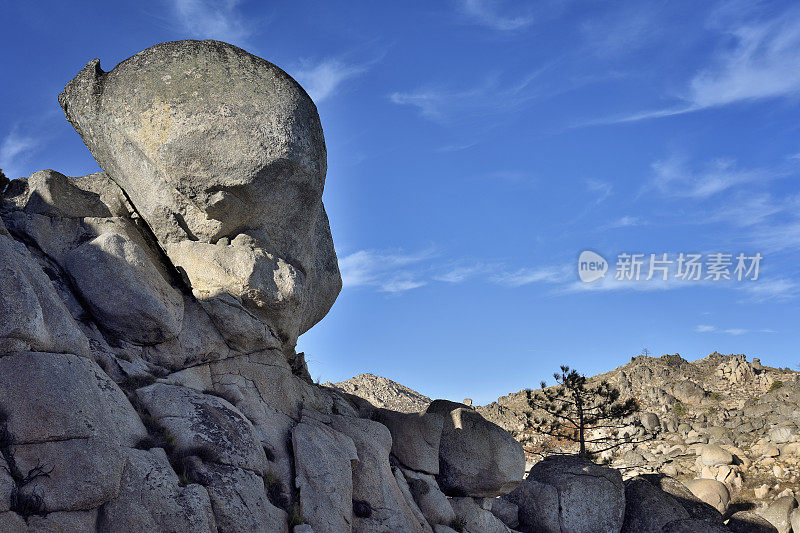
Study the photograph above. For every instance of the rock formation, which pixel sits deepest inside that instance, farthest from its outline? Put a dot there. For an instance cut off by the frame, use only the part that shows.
(150, 312)
(149, 315)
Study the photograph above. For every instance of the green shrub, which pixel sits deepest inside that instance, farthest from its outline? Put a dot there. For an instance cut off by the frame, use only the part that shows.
(275, 492)
(679, 410)
(777, 384)
(295, 516)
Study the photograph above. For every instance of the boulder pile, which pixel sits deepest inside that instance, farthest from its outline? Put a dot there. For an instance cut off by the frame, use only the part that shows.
(150, 312)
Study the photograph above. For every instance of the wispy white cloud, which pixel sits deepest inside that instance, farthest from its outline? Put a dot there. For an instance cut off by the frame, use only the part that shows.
(401, 284)
(603, 189)
(752, 209)
(14, 151)
(456, 147)
(778, 289)
(323, 78)
(399, 271)
(213, 19)
(673, 177)
(492, 96)
(624, 222)
(624, 30)
(460, 274)
(386, 270)
(526, 276)
(488, 13)
(761, 63)
(611, 284)
(729, 331)
(758, 60)
(736, 331)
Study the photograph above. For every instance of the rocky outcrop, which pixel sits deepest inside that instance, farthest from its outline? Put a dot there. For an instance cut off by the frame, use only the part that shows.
(148, 377)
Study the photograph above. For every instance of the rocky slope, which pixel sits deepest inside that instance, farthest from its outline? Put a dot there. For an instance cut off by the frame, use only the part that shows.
(720, 418)
(383, 392)
(148, 322)
(722, 399)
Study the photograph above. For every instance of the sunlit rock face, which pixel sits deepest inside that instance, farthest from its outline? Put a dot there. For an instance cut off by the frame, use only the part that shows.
(222, 154)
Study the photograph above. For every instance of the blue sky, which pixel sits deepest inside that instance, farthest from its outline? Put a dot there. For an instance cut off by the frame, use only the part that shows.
(476, 147)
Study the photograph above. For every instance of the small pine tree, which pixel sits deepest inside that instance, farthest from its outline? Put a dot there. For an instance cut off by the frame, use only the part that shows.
(576, 411)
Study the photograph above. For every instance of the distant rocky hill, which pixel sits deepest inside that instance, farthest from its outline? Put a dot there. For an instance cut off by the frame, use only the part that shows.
(383, 392)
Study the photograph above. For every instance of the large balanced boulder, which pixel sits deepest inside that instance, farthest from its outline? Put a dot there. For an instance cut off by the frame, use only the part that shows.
(223, 155)
(476, 457)
(148, 321)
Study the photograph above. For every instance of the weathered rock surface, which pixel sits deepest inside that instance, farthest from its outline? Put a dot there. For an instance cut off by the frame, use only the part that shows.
(151, 499)
(34, 317)
(779, 512)
(748, 522)
(323, 461)
(538, 505)
(416, 438)
(140, 307)
(475, 518)
(590, 497)
(205, 422)
(432, 502)
(374, 484)
(648, 509)
(477, 458)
